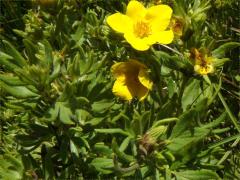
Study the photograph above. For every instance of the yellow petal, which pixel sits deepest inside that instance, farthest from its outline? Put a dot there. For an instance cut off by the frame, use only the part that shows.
(116, 69)
(137, 64)
(137, 43)
(129, 68)
(131, 80)
(203, 70)
(119, 22)
(142, 93)
(159, 25)
(135, 10)
(159, 12)
(144, 79)
(159, 16)
(164, 37)
(135, 87)
(210, 68)
(121, 90)
(151, 39)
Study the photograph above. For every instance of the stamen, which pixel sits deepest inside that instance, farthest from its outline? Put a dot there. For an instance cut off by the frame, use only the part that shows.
(142, 29)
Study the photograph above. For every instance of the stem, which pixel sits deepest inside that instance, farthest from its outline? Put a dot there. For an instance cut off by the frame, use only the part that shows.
(167, 120)
(234, 120)
(226, 140)
(173, 50)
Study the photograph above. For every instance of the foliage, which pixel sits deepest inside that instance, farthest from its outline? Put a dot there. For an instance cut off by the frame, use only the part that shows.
(60, 119)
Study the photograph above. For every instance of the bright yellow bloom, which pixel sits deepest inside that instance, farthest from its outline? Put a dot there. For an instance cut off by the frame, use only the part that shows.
(143, 27)
(131, 80)
(203, 64)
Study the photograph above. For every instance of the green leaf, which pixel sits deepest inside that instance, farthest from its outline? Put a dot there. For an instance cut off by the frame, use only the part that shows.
(220, 51)
(18, 91)
(103, 105)
(16, 56)
(220, 62)
(216, 122)
(48, 165)
(103, 165)
(74, 149)
(56, 69)
(65, 114)
(6, 60)
(100, 148)
(112, 131)
(48, 53)
(61, 111)
(191, 93)
(11, 80)
(78, 35)
(11, 167)
(173, 62)
(83, 116)
(196, 175)
(194, 94)
(31, 50)
(95, 121)
(60, 21)
(125, 144)
(187, 140)
(120, 154)
(182, 124)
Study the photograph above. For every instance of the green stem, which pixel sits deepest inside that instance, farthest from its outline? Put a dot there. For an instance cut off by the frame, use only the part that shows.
(164, 121)
(226, 140)
(231, 116)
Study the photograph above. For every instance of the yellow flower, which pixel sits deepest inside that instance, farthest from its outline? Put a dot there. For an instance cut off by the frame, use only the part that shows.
(177, 26)
(204, 68)
(203, 64)
(131, 80)
(143, 27)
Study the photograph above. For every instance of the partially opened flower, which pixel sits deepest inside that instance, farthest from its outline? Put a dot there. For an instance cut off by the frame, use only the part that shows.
(203, 64)
(143, 27)
(177, 25)
(131, 80)
(205, 67)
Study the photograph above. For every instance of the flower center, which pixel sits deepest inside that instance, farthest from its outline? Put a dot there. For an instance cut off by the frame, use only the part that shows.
(142, 29)
(207, 68)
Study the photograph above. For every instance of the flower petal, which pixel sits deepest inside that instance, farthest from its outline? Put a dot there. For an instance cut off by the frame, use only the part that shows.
(121, 90)
(117, 68)
(144, 79)
(131, 80)
(119, 22)
(137, 43)
(158, 12)
(164, 37)
(135, 10)
(137, 64)
(135, 87)
(159, 16)
(142, 93)
(129, 68)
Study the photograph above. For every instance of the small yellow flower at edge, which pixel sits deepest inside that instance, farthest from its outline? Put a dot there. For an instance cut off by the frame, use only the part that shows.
(203, 64)
(177, 25)
(143, 27)
(204, 68)
(132, 80)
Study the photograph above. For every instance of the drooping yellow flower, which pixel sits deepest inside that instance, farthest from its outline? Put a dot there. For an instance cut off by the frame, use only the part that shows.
(131, 80)
(203, 64)
(143, 27)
